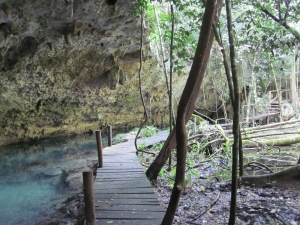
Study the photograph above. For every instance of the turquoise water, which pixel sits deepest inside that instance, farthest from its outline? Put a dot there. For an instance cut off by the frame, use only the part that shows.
(33, 179)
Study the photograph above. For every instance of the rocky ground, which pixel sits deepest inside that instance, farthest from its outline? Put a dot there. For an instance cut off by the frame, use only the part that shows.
(207, 201)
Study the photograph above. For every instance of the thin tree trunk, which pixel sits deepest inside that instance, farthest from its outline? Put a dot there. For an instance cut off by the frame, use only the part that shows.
(170, 143)
(236, 119)
(232, 97)
(140, 79)
(252, 91)
(278, 91)
(189, 91)
(162, 52)
(172, 122)
(293, 85)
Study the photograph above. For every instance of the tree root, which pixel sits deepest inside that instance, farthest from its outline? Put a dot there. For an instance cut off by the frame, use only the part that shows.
(279, 179)
(144, 151)
(260, 165)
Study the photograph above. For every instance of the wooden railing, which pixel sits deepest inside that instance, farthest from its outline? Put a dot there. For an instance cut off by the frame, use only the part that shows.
(88, 179)
(285, 95)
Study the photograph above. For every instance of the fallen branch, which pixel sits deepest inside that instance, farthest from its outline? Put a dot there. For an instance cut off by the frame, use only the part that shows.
(273, 142)
(144, 151)
(245, 137)
(260, 165)
(206, 210)
(271, 125)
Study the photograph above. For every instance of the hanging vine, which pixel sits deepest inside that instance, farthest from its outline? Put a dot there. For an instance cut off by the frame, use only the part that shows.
(142, 6)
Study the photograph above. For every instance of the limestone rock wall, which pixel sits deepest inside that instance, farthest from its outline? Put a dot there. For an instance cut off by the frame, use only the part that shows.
(67, 69)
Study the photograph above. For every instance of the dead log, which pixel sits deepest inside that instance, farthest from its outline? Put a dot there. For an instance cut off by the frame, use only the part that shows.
(265, 127)
(272, 142)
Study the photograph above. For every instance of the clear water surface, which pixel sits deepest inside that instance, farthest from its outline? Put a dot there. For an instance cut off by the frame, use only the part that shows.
(33, 176)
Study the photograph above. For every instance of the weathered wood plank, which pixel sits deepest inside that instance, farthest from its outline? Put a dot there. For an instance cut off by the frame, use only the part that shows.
(123, 171)
(129, 221)
(128, 214)
(124, 176)
(116, 206)
(124, 185)
(125, 201)
(125, 191)
(130, 197)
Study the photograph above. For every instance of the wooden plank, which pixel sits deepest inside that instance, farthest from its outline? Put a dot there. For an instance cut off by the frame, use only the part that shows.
(131, 179)
(123, 185)
(121, 171)
(125, 201)
(129, 222)
(114, 185)
(128, 214)
(122, 167)
(115, 206)
(99, 196)
(113, 176)
(125, 191)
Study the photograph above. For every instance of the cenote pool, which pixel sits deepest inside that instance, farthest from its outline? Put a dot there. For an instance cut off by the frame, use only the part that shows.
(36, 178)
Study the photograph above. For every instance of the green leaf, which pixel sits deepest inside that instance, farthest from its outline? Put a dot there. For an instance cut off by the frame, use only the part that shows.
(110, 221)
(173, 171)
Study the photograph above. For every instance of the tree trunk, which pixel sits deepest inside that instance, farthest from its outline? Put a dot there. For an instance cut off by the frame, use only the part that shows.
(170, 143)
(278, 91)
(188, 92)
(140, 79)
(252, 91)
(172, 118)
(294, 94)
(236, 118)
(231, 91)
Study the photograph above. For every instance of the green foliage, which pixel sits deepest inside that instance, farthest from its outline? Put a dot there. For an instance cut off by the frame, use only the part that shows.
(147, 131)
(140, 6)
(142, 146)
(119, 138)
(158, 145)
(223, 175)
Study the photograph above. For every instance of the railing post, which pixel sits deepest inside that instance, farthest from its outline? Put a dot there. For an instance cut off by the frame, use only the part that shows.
(243, 113)
(88, 191)
(109, 135)
(270, 96)
(253, 116)
(99, 148)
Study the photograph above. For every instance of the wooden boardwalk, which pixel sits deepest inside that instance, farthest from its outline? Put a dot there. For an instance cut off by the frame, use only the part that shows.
(123, 194)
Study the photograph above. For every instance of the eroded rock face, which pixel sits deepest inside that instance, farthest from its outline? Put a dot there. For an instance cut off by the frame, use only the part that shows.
(62, 75)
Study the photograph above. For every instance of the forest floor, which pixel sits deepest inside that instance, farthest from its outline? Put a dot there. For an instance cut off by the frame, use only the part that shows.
(206, 199)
